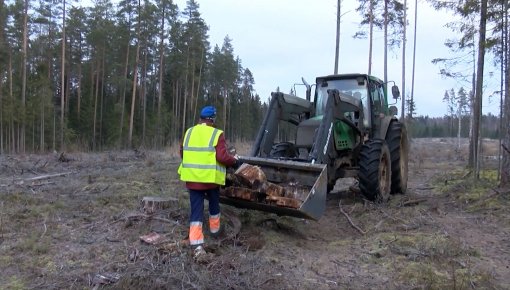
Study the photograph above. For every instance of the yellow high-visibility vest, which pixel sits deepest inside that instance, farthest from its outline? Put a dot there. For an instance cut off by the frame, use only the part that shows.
(199, 156)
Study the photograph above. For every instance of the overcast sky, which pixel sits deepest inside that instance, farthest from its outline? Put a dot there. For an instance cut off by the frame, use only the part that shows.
(284, 40)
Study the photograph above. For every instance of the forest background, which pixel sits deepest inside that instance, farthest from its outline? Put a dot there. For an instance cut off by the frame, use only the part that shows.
(136, 73)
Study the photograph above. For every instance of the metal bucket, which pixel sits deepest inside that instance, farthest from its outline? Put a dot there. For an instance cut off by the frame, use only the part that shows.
(311, 176)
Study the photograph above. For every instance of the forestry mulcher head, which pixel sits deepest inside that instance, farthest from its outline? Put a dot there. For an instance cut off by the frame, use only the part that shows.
(282, 187)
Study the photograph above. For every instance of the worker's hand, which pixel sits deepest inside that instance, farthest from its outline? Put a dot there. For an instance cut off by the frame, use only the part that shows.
(238, 162)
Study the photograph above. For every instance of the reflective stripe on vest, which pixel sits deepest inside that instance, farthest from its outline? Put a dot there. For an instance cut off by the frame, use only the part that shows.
(199, 156)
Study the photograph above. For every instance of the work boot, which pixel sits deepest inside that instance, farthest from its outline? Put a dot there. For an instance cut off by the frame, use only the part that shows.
(219, 234)
(198, 252)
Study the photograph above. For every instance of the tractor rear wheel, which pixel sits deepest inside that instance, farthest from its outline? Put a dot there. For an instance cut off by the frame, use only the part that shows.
(375, 170)
(399, 147)
(283, 149)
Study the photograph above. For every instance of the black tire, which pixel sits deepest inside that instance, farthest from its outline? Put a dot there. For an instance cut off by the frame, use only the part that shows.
(396, 138)
(283, 149)
(375, 170)
(330, 187)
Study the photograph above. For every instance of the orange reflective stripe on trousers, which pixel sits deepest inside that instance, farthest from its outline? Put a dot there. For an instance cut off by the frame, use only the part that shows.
(214, 223)
(196, 237)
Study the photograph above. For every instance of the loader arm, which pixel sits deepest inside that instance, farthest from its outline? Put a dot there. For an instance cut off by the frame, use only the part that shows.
(337, 105)
(283, 107)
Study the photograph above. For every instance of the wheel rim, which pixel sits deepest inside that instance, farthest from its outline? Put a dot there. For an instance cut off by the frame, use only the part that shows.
(384, 177)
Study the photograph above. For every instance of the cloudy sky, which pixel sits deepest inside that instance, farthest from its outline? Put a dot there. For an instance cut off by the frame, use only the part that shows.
(282, 41)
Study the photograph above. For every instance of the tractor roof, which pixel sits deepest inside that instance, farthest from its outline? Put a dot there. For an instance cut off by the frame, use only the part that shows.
(348, 76)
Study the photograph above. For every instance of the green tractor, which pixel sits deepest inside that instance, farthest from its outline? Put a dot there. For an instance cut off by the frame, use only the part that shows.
(348, 130)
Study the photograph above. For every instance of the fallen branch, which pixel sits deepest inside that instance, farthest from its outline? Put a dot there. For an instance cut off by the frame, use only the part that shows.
(47, 176)
(170, 247)
(350, 220)
(505, 191)
(466, 174)
(412, 202)
(45, 229)
(504, 147)
(425, 188)
(42, 183)
(144, 216)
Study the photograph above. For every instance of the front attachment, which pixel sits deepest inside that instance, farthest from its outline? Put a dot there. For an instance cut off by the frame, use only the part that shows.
(283, 187)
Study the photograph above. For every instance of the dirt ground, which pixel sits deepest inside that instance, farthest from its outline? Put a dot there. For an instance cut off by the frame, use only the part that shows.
(77, 224)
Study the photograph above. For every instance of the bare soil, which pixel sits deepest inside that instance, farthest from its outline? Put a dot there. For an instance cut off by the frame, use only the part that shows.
(77, 224)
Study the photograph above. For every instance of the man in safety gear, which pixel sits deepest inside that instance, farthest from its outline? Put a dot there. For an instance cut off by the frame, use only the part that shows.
(204, 160)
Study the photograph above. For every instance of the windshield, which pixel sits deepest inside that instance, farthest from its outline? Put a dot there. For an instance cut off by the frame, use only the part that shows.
(345, 86)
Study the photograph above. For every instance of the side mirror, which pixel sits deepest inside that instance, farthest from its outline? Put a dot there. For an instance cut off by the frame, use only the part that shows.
(395, 92)
(393, 111)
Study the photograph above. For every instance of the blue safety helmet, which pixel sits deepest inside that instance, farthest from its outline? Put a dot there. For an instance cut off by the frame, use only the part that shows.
(208, 112)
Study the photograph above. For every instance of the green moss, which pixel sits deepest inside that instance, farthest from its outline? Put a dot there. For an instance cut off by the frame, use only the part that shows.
(5, 260)
(489, 175)
(34, 245)
(20, 198)
(14, 283)
(340, 243)
(420, 246)
(424, 275)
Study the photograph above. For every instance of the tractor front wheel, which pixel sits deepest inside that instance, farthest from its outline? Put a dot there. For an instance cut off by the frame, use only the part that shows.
(399, 147)
(375, 170)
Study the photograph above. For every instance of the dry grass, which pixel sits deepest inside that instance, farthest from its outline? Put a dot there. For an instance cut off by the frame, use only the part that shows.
(60, 233)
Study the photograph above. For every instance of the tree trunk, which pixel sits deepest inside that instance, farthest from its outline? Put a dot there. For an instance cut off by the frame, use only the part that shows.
(2, 41)
(135, 80)
(54, 129)
(225, 100)
(178, 112)
(502, 81)
(1, 104)
(123, 93)
(199, 81)
(101, 103)
(386, 41)
(459, 125)
(479, 86)
(402, 115)
(505, 165)
(96, 94)
(78, 93)
(79, 80)
(472, 108)
(133, 95)
(414, 55)
(143, 94)
(185, 95)
(41, 128)
(21, 143)
(11, 98)
(62, 78)
(160, 82)
(370, 36)
(193, 100)
(337, 43)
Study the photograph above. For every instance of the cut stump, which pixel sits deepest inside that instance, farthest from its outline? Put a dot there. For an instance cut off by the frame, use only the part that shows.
(152, 204)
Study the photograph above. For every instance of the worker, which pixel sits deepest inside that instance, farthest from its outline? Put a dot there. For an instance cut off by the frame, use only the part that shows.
(204, 160)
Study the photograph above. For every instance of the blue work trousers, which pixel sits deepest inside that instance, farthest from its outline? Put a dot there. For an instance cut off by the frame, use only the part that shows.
(196, 198)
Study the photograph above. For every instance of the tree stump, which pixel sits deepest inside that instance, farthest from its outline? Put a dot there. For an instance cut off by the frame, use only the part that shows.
(151, 204)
